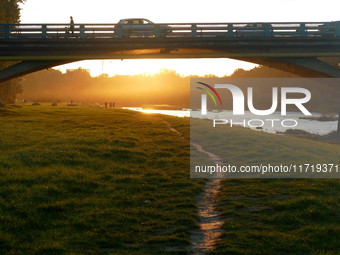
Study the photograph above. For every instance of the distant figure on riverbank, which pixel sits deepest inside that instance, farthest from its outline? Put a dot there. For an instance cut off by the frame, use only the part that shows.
(72, 25)
(105, 104)
(110, 104)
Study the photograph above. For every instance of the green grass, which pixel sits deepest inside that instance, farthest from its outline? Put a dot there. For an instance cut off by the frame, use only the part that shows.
(87, 180)
(240, 146)
(274, 216)
(280, 216)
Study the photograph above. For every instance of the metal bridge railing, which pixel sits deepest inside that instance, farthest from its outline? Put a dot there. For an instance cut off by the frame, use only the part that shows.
(198, 30)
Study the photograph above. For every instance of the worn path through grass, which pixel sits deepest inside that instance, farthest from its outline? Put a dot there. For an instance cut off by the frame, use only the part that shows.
(275, 216)
(87, 180)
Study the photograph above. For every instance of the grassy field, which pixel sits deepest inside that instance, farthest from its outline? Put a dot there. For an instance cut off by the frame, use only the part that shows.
(275, 216)
(280, 216)
(88, 180)
(241, 146)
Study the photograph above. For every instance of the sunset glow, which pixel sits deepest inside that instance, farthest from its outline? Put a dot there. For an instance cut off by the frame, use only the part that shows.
(219, 67)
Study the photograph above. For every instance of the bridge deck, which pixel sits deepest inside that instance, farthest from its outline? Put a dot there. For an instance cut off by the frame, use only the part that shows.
(178, 40)
(109, 31)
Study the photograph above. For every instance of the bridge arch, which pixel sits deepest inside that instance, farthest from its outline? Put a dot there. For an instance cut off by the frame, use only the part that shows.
(305, 49)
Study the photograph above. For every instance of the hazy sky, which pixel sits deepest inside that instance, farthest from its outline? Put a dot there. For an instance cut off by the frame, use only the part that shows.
(108, 11)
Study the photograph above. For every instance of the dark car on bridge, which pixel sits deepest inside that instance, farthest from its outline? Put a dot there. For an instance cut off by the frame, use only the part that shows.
(253, 29)
(328, 29)
(141, 28)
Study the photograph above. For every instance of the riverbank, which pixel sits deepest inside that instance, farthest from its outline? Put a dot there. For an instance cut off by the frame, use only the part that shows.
(90, 180)
(320, 118)
(332, 138)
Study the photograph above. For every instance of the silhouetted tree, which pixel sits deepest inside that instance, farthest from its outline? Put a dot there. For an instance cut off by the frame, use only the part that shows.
(9, 13)
(10, 89)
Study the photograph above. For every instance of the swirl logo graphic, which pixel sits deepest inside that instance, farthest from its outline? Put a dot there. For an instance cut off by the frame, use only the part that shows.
(212, 89)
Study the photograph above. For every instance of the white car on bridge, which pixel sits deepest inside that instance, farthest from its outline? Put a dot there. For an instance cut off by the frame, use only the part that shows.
(141, 28)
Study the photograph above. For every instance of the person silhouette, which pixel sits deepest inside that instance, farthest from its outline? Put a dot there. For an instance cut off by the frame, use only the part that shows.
(72, 25)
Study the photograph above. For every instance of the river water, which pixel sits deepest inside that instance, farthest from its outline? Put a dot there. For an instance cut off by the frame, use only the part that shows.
(311, 126)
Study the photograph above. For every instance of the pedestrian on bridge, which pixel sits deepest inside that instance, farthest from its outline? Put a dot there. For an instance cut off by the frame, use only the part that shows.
(72, 25)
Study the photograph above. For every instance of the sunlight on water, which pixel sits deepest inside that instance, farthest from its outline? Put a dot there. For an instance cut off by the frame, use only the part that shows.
(176, 113)
(311, 126)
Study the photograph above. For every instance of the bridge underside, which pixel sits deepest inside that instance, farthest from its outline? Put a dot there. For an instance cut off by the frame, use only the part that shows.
(319, 58)
(311, 67)
(26, 67)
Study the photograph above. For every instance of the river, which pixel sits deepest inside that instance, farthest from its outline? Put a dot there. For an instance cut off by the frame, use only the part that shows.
(311, 126)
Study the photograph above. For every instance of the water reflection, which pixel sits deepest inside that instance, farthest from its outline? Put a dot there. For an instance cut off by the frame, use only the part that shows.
(311, 126)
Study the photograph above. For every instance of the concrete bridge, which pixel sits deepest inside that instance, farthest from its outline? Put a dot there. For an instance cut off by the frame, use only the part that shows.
(310, 49)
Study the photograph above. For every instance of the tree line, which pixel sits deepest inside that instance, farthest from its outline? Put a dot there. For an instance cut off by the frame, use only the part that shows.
(164, 88)
(9, 13)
